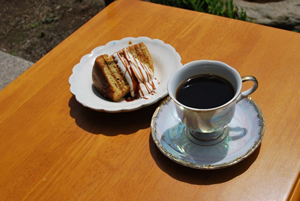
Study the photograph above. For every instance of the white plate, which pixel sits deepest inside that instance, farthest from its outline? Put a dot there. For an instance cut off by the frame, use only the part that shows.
(165, 59)
(245, 133)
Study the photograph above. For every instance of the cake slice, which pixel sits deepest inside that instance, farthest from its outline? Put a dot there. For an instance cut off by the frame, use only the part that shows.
(128, 71)
(108, 78)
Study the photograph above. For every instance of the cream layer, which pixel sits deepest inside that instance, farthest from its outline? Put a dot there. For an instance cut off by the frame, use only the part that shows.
(133, 70)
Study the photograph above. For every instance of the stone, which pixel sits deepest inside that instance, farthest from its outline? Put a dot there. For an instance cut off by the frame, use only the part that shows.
(11, 67)
(281, 14)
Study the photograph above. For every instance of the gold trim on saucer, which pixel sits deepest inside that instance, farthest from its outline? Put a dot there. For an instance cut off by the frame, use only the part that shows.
(261, 123)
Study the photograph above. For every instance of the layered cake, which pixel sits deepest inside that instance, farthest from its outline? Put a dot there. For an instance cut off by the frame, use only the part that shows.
(128, 72)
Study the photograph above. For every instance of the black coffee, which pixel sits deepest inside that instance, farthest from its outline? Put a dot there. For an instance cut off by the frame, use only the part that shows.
(205, 91)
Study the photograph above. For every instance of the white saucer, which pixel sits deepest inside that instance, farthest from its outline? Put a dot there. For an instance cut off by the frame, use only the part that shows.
(245, 133)
(165, 60)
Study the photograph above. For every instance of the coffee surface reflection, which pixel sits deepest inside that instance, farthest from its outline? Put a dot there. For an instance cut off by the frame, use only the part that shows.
(205, 91)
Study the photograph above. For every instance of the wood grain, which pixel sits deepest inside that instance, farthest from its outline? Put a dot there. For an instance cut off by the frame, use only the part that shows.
(53, 148)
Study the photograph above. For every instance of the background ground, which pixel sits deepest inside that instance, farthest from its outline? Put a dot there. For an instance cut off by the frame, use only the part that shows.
(31, 28)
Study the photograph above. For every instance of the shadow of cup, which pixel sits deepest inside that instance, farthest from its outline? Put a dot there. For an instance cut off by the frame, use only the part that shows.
(177, 143)
(196, 176)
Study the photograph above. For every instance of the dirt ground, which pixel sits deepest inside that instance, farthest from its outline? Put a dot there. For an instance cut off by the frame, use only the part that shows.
(31, 28)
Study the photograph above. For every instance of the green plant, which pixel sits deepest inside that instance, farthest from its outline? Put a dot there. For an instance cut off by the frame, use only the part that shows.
(35, 24)
(223, 8)
(65, 5)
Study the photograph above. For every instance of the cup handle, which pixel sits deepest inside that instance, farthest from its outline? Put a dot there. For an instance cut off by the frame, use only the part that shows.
(249, 91)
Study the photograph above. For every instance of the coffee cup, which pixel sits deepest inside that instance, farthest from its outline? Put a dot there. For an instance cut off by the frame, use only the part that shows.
(205, 94)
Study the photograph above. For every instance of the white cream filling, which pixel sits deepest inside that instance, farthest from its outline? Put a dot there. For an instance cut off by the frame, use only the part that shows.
(125, 72)
(148, 85)
(133, 67)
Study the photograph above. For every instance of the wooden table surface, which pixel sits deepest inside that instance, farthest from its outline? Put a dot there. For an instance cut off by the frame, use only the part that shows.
(53, 148)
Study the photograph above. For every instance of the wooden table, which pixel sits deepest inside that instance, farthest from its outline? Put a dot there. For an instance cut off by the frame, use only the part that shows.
(53, 148)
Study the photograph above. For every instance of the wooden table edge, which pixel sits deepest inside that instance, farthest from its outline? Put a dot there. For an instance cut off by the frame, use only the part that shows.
(295, 192)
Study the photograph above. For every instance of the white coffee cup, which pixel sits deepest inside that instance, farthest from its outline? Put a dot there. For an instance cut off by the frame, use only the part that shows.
(208, 124)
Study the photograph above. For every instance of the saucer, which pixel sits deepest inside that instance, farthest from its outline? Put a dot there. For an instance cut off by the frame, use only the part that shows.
(244, 134)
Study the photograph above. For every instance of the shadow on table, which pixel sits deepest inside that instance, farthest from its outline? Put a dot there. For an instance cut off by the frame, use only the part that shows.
(200, 177)
(110, 124)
